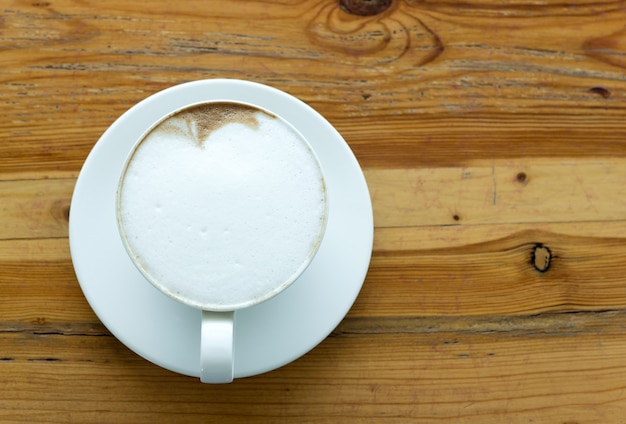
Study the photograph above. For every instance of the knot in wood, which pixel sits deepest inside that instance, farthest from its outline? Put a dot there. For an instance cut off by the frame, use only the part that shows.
(365, 7)
(541, 257)
(603, 92)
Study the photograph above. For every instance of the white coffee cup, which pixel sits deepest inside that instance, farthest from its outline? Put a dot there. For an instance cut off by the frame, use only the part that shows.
(221, 205)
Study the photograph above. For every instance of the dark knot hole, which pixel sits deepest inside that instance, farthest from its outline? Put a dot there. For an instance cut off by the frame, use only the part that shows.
(365, 7)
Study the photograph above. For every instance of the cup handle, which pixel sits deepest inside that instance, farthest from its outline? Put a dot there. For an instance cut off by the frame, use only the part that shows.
(216, 347)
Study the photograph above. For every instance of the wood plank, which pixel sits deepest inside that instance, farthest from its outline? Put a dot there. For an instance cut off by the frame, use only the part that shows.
(425, 142)
(415, 139)
(497, 277)
(352, 378)
(511, 191)
(498, 192)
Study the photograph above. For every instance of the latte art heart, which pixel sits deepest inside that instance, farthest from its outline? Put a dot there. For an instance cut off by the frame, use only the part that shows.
(222, 205)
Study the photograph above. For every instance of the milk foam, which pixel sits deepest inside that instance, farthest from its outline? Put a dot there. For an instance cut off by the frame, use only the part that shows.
(222, 217)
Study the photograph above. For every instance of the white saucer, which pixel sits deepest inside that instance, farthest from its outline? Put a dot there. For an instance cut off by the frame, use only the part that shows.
(267, 336)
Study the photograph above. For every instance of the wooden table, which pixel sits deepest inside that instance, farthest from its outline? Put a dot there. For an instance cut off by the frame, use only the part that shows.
(493, 139)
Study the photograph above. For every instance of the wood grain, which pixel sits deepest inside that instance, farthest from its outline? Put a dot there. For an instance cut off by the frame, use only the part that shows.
(493, 139)
(390, 377)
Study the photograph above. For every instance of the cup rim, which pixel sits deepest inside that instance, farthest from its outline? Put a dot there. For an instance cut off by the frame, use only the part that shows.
(189, 301)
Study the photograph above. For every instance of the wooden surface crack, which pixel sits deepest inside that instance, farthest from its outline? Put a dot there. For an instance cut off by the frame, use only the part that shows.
(568, 323)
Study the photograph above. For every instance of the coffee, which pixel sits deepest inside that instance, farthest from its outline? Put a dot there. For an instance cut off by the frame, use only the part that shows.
(221, 205)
